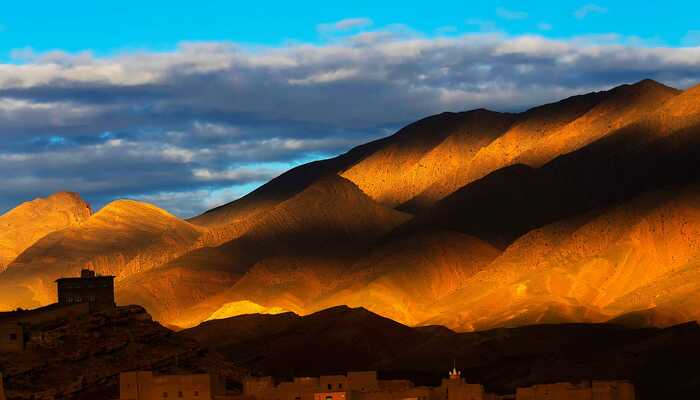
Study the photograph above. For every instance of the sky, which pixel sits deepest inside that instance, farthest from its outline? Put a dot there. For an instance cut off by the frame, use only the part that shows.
(189, 105)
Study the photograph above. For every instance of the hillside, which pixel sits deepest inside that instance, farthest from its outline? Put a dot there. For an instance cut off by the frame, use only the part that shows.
(19, 228)
(123, 238)
(660, 362)
(81, 358)
(590, 268)
(301, 242)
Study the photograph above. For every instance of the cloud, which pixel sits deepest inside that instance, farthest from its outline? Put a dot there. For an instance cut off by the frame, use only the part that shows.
(177, 126)
(510, 14)
(344, 25)
(589, 9)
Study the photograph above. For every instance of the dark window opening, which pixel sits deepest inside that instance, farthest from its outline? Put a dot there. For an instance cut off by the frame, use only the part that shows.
(330, 386)
(13, 336)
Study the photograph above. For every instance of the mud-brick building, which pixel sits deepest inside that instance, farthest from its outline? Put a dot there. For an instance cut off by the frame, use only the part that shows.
(96, 290)
(145, 385)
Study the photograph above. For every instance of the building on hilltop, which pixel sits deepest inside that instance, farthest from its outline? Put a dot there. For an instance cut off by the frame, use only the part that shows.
(96, 290)
(76, 296)
(145, 385)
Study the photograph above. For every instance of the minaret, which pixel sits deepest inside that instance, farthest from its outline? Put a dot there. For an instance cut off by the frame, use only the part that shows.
(454, 374)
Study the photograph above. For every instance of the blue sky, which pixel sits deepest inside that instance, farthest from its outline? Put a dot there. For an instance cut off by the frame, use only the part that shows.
(106, 26)
(190, 105)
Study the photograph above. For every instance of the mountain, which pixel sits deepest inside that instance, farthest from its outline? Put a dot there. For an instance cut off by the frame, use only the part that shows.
(19, 228)
(645, 155)
(590, 268)
(580, 210)
(403, 279)
(123, 238)
(295, 252)
(660, 362)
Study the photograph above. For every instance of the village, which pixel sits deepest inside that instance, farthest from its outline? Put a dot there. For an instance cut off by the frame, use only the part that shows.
(92, 293)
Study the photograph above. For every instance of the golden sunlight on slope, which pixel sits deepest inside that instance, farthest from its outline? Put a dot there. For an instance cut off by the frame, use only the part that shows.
(589, 268)
(124, 238)
(295, 252)
(545, 132)
(425, 151)
(237, 308)
(25, 224)
(402, 279)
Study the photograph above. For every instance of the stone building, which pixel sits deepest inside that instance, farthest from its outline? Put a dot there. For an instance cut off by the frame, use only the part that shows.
(145, 385)
(96, 290)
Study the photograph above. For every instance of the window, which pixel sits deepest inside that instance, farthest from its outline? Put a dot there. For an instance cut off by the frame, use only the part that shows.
(13, 336)
(165, 395)
(340, 386)
(196, 393)
(179, 394)
(330, 387)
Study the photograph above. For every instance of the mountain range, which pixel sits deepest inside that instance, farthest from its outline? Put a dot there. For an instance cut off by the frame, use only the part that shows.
(584, 210)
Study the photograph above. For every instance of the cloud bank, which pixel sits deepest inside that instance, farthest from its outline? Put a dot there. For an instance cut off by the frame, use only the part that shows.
(203, 123)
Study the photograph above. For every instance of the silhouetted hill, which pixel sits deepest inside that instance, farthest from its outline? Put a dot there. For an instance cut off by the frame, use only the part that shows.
(661, 362)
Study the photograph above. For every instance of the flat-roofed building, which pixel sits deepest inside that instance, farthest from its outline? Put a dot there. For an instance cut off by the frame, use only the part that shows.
(96, 290)
(145, 385)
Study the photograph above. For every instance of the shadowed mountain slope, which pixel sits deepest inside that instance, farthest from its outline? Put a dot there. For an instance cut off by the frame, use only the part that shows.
(590, 268)
(543, 133)
(660, 362)
(307, 235)
(425, 151)
(402, 279)
(657, 151)
(25, 224)
(123, 238)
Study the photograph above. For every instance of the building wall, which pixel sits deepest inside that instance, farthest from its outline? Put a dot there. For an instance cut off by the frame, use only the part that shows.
(143, 385)
(11, 337)
(332, 396)
(333, 382)
(98, 291)
(363, 381)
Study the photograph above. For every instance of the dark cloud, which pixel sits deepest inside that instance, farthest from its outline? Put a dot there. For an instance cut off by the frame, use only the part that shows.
(188, 128)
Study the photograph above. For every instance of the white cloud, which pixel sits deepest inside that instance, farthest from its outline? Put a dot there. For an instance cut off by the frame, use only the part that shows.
(344, 25)
(510, 14)
(205, 116)
(589, 9)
